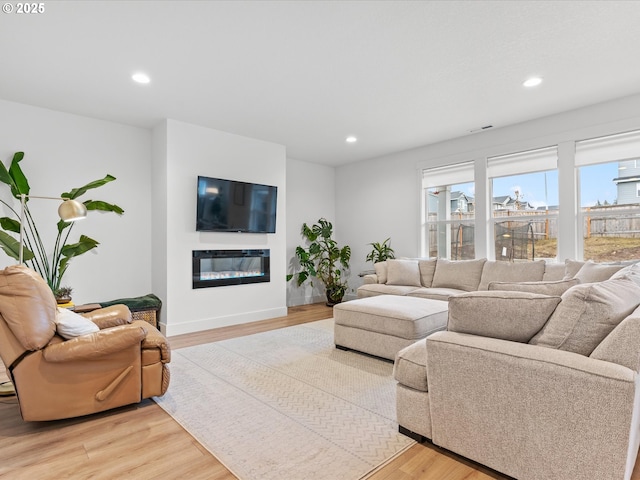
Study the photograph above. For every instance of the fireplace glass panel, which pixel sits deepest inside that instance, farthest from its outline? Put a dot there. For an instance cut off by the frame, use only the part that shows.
(215, 268)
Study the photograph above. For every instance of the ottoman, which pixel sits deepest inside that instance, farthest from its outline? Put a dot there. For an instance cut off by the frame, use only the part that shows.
(385, 324)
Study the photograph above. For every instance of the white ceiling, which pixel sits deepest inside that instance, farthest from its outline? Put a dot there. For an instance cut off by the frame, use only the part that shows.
(306, 74)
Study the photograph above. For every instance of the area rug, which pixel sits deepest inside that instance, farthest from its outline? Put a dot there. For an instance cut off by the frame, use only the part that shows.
(286, 404)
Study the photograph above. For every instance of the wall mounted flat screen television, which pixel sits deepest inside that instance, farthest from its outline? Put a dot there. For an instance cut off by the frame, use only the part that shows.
(232, 206)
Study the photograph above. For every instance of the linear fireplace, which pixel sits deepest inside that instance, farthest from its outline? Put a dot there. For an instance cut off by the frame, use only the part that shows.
(216, 268)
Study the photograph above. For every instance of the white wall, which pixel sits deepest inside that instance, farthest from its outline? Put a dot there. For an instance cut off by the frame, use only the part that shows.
(380, 197)
(64, 151)
(191, 151)
(310, 196)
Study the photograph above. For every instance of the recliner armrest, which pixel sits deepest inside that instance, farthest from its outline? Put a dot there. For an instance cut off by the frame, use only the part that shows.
(155, 340)
(95, 345)
(110, 316)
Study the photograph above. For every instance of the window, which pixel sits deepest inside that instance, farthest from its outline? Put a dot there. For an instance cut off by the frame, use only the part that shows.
(524, 210)
(609, 181)
(448, 228)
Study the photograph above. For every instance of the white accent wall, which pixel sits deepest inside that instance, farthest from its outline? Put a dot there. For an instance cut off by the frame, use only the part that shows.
(64, 151)
(381, 197)
(310, 196)
(181, 152)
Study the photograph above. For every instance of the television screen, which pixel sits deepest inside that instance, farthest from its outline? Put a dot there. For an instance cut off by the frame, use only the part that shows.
(231, 206)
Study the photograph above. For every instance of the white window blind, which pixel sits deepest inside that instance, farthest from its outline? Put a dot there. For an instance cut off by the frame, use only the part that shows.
(611, 148)
(447, 175)
(530, 161)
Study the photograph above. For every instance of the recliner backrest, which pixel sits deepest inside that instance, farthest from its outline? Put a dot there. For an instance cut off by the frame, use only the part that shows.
(27, 306)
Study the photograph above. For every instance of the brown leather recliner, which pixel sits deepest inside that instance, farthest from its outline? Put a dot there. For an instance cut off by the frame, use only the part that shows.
(55, 378)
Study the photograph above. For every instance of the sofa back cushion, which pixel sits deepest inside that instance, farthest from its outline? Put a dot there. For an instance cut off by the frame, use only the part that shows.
(587, 314)
(596, 272)
(403, 272)
(381, 271)
(631, 271)
(513, 316)
(553, 272)
(461, 274)
(555, 288)
(427, 269)
(500, 271)
(571, 267)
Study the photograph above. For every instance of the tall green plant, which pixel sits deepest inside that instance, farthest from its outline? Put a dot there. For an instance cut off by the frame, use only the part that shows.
(51, 265)
(322, 259)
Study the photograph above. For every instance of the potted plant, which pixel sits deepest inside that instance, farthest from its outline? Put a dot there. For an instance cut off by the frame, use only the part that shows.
(323, 259)
(51, 265)
(63, 294)
(380, 252)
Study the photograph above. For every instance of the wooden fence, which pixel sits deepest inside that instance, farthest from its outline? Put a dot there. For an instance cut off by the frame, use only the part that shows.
(610, 220)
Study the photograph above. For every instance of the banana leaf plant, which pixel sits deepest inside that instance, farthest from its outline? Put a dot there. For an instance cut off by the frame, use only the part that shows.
(322, 259)
(52, 265)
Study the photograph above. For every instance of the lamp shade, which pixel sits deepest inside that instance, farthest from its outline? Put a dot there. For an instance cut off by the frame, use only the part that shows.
(72, 210)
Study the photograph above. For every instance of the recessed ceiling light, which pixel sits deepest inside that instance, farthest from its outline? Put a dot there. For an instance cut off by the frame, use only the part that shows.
(532, 82)
(351, 139)
(140, 77)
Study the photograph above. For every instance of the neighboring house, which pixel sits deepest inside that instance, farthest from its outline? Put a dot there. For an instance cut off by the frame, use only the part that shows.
(507, 202)
(628, 182)
(461, 203)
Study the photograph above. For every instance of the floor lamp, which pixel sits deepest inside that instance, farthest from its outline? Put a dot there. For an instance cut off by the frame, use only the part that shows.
(68, 211)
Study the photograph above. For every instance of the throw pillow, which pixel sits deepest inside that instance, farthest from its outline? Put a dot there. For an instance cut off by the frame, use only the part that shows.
(381, 271)
(497, 271)
(596, 272)
(403, 272)
(427, 269)
(556, 288)
(460, 274)
(70, 325)
(514, 316)
(631, 271)
(571, 267)
(587, 314)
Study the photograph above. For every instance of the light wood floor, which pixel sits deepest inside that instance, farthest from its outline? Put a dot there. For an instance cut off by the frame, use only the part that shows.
(144, 442)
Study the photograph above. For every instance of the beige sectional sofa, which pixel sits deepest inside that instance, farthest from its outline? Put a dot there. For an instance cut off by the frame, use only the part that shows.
(439, 279)
(531, 382)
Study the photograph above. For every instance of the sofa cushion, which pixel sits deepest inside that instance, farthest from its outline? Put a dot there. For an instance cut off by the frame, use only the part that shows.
(621, 346)
(514, 316)
(374, 289)
(461, 274)
(556, 288)
(500, 271)
(571, 267)
(553, 272)
(403, 272)
(381, 271)
(596, 272)
(427, 269)
(587, 314)
(410, 367)
(435, 293)
(631, 271)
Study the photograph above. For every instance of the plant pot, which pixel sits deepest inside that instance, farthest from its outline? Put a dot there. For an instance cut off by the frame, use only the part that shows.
(335, 294)
(61, 300)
